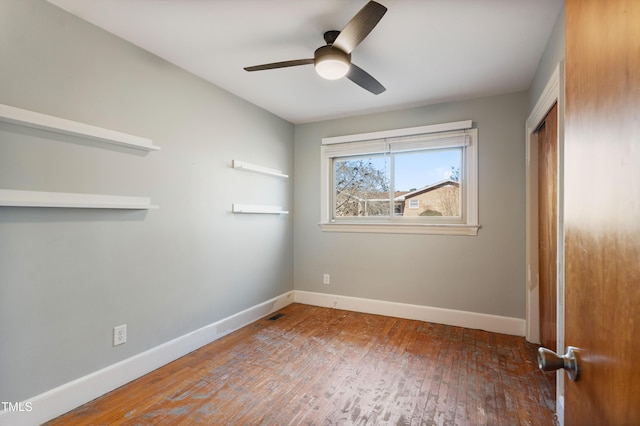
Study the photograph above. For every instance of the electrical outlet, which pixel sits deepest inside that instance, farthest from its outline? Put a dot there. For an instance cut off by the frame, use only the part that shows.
(326, 279)
(120, 335)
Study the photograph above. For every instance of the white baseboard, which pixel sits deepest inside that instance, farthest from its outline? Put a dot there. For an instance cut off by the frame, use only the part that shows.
(494, 323)
(62, 399)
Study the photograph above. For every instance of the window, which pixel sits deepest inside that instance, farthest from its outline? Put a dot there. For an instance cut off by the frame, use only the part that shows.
(417, 180)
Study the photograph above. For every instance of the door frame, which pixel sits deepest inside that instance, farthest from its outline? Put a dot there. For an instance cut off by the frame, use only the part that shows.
(552, 93)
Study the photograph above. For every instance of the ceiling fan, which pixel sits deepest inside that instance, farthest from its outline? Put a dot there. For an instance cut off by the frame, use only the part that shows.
(333, 61)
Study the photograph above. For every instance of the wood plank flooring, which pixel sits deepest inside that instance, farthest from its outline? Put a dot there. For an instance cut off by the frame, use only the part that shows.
(319, 366)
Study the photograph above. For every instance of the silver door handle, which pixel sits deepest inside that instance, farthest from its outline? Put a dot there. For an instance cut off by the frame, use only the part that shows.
(551, 361)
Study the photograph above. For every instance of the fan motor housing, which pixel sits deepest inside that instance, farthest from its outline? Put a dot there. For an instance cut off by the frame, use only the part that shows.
(328, 53)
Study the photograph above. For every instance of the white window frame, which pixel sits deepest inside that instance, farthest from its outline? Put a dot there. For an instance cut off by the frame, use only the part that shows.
(414, 204)
(438, 135)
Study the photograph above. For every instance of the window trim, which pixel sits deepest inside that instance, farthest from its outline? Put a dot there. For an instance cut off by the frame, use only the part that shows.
(389, 225)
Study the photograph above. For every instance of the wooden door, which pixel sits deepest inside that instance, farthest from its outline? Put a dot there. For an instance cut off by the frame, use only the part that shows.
(548, 225)
(602, 210)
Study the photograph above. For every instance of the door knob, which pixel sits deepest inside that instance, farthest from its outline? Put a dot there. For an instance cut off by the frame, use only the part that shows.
(551, 361)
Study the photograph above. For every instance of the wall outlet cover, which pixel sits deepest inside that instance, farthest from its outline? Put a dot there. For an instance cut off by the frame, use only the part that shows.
(119, 335)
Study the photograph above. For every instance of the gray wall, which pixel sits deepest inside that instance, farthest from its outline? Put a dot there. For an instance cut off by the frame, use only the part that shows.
(553, 54)
(67, 277)
(484, 273)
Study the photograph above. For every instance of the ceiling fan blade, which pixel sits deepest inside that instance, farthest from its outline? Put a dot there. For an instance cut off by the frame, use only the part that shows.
(364, 80)
(360, 26)
(283, 64)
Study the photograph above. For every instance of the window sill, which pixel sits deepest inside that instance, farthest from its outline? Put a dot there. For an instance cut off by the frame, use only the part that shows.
(396, 228)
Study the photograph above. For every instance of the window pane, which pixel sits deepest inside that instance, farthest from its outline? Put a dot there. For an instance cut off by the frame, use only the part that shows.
(362, 186)
(427, 183)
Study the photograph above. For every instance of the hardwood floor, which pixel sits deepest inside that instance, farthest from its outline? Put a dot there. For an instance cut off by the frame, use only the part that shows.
(319, 366)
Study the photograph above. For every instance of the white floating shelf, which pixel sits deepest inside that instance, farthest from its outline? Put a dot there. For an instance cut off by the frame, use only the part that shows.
(50, 123)
(260, 169)
(15, 198)
(257, 209)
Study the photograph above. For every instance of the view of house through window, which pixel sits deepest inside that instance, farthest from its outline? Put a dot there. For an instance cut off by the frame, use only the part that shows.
(424, 182)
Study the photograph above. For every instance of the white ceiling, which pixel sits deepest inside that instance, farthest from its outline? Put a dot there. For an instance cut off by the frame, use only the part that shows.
(422, 51)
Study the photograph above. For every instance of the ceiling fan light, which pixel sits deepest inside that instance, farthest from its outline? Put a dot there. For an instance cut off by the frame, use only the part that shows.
(332, 69)
(331, 63)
